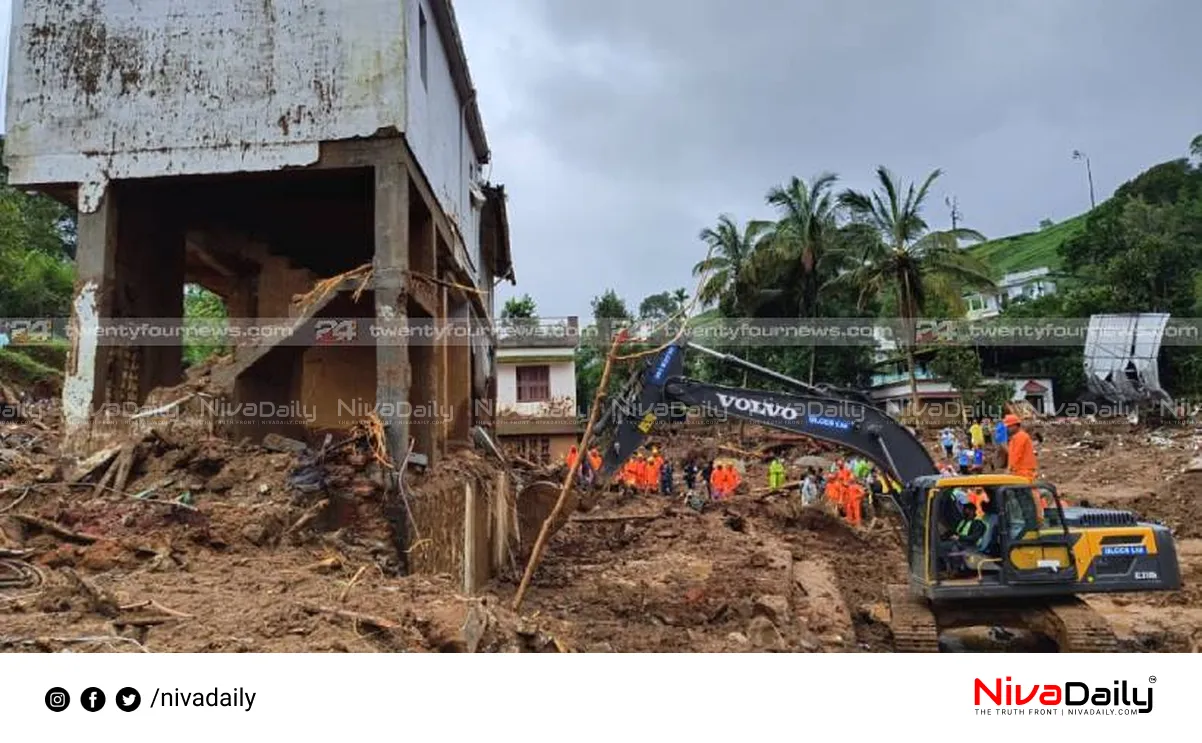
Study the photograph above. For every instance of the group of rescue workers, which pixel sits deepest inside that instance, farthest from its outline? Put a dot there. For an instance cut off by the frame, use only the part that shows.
(850, 486)
(648, 473)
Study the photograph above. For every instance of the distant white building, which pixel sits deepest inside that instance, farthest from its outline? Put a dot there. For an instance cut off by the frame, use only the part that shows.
(536, 388)
(1032, 284)
(891, 391)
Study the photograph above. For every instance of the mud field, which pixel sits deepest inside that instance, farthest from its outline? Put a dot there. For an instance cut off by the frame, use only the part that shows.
(206, 548)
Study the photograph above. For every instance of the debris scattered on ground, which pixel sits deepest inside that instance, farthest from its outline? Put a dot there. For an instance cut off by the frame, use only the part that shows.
(186, 542)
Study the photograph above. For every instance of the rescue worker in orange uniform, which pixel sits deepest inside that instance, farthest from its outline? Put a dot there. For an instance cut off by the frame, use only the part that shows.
(1020, 451)
(835, 487)
(594, 459)
(726, 480)
(630, 475)
(638, 468)
(853, 499)
(571, 456)
(654, 467)
(643, 471)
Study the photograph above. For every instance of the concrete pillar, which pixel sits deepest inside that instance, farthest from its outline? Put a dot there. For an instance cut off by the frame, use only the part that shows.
(87, 365)
(392, 351)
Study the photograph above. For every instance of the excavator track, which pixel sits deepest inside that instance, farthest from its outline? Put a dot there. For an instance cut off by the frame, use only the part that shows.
(912, 622)
(1077, 628)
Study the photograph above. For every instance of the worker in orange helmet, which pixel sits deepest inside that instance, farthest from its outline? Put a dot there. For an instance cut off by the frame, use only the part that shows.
(1020, 452)
(734, 478)
(1020, 457)
(572, 455)
(594, 459)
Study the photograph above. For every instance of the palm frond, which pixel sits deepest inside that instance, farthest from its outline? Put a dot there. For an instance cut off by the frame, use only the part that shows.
(889, 186)
(856, 202)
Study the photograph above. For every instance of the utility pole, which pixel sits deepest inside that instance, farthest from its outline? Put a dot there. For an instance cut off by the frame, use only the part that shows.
(954, 205)
(1079, 155)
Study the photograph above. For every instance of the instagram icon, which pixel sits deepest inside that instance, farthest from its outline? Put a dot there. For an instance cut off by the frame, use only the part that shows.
(57, 699)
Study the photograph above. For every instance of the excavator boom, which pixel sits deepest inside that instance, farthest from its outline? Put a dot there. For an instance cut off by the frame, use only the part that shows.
(661, 392)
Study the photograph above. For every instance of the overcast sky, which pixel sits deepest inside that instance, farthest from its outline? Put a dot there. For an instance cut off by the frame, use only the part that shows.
(621, 128)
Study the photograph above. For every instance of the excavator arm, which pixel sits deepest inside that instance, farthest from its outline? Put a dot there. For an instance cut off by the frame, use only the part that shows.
(662, 392)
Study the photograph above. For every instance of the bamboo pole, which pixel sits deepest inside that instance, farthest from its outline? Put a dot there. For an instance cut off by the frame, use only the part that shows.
(541, 543)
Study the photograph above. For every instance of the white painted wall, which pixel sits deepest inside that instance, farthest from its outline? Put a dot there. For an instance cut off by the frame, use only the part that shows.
(138, 88)
(437, 128)
(1031, 284)
(893, 393)
(1049, 399)
(563, 390)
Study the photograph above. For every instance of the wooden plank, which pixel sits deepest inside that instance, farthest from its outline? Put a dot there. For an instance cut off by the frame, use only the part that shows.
(469, 539)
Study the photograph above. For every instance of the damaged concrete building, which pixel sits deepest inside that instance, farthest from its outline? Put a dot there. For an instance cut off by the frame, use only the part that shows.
(261, 149)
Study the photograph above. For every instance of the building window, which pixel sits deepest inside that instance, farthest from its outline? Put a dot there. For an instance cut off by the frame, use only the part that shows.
(534, 383)
(423, 51)
(535, 449)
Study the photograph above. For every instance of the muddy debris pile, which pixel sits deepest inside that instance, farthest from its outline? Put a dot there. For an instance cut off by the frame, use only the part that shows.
(200, 544)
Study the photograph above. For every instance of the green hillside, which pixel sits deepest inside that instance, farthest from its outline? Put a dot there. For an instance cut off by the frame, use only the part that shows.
(1029, 250)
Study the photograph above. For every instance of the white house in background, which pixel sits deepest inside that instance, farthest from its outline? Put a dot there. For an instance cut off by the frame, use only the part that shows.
(1031, 284)
(891, 391)
(536, 388)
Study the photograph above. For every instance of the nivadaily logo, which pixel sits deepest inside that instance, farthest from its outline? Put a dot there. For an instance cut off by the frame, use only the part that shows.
(1069, 698)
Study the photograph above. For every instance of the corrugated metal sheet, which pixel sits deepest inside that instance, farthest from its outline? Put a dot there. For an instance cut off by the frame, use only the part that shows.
(114, 89)
(1121, 354)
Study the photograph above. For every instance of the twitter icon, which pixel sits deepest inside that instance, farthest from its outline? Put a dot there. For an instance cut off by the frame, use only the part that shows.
(128, 699)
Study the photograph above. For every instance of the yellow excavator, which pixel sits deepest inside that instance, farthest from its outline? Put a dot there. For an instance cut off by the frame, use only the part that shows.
(1026, 566)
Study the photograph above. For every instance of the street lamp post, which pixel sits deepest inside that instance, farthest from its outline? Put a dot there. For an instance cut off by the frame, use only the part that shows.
(1079, 155)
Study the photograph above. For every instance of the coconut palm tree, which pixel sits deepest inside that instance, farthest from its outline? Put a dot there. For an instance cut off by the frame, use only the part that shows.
(731, 251)
(801, 239)
(909, 257)
(681, 298)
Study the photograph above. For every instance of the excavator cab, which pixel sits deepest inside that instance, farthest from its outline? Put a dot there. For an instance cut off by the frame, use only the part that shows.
(1022, 539)
(1037, 545)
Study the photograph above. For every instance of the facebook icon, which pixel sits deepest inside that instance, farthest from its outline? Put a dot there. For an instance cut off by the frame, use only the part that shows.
(92, 699)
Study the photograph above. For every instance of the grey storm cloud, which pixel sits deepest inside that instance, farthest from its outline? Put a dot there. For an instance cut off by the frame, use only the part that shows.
(621, 128)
